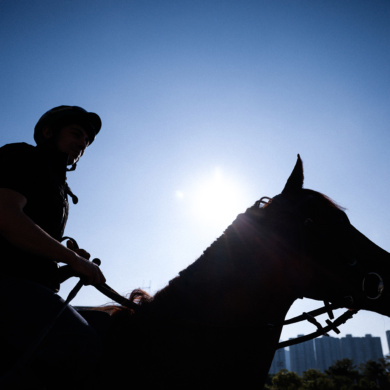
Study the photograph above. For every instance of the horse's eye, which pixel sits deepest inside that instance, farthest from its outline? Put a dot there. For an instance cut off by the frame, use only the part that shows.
(352, 262)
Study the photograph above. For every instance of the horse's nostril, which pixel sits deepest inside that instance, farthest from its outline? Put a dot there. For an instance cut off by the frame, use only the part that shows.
(373, 285)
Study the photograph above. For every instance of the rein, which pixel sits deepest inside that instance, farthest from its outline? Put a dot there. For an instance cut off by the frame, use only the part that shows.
(105, 289)
(332, 324)
(321, 330)
(310, 316)
(112, 294)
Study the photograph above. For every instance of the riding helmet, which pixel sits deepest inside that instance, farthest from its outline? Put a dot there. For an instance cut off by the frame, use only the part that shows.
(66, 115)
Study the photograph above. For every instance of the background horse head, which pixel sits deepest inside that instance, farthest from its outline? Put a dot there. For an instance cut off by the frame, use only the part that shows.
(216, 324)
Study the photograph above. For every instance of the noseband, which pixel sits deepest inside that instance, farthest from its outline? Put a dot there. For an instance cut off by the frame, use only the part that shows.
(373, 285)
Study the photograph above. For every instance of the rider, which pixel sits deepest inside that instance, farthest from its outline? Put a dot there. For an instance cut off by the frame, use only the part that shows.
(33, 213)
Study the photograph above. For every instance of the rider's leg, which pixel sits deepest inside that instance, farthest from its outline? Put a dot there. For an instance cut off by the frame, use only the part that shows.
(69, 351)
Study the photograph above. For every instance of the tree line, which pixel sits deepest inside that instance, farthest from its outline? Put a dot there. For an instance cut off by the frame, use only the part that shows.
(342, 375)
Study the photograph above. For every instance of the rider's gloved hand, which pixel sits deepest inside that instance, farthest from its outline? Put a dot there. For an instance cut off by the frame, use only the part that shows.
(89, 272)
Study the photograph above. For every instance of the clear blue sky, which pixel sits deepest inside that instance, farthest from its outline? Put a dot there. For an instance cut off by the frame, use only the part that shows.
(198, 99)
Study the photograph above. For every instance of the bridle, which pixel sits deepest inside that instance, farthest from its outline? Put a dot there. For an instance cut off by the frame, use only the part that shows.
(321, 330)
(332, 324)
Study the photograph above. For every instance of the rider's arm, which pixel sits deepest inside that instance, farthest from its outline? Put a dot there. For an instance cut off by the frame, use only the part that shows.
(18, 229)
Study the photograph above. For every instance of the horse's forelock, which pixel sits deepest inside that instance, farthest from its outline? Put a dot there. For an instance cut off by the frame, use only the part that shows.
(326, 200)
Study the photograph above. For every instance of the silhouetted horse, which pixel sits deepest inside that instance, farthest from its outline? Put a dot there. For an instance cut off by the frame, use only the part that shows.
(214, 325)
(217, 325)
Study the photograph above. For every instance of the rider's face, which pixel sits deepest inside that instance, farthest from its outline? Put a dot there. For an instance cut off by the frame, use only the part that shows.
(72, 140)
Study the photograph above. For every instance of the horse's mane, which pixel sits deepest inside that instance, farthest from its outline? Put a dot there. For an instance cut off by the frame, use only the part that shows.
(141, 297)
(137, 296)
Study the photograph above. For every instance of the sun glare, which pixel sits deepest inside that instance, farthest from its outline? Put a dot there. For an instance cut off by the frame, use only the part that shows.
(215, 200)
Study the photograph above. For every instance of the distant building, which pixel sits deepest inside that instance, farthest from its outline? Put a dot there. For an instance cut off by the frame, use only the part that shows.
(328, 351)
(279, 362)
(302, 356)
(322, 352)
(361, 349)
(373, 347)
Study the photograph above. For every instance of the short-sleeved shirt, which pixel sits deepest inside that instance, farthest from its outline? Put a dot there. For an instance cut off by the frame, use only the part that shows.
(39, 174)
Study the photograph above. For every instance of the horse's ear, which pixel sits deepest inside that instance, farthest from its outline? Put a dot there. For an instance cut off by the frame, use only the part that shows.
(295, 181)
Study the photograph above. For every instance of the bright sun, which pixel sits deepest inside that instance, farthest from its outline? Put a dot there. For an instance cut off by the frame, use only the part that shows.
(215, 200)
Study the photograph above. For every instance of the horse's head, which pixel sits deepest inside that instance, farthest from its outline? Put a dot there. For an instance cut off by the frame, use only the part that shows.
(334, 261)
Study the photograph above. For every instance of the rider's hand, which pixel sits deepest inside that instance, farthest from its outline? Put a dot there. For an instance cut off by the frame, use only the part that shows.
(89, 272)
(82, 252)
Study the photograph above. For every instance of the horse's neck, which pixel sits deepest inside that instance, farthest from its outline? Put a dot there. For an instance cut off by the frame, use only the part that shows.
(221, 307)
(234, 283)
